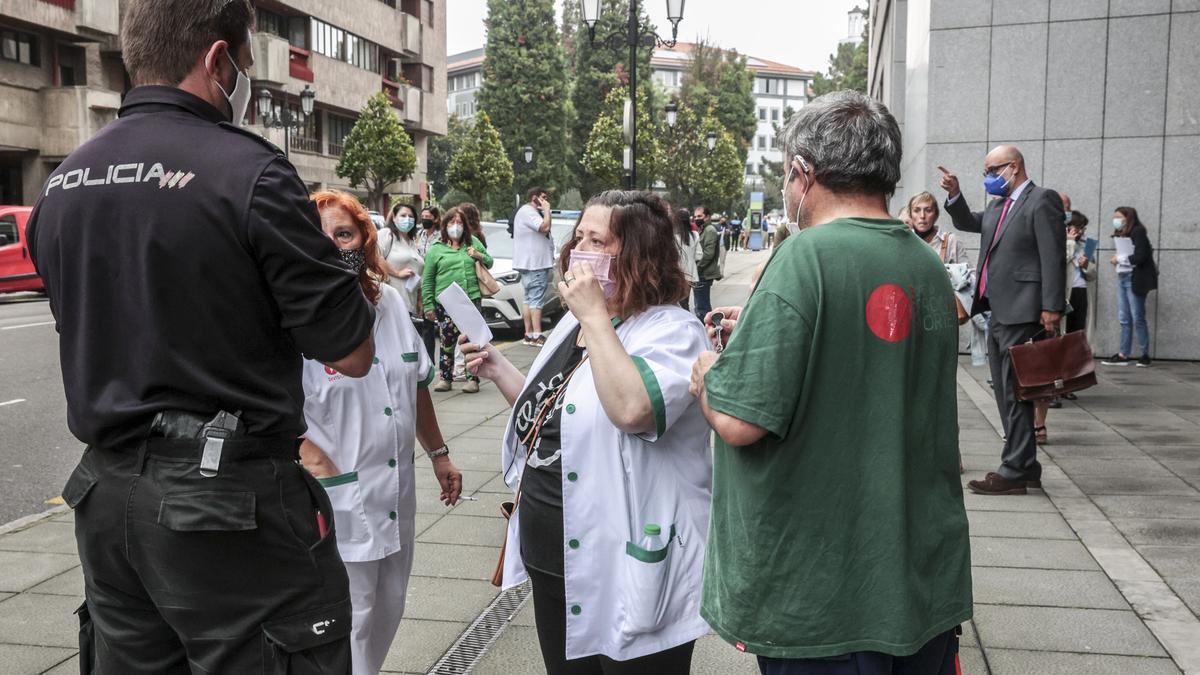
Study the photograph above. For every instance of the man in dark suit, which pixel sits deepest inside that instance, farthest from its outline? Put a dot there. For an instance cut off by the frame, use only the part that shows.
(1021, 250)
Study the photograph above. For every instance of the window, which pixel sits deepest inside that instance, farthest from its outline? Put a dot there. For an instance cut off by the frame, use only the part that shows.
(270, 22)
(774, 114)
(762, 142)
(339, 129)
(338, 44)
(769, 85)
(428, 14)
(749, 168)
(762, 114)
(8, 231)
(20, 47)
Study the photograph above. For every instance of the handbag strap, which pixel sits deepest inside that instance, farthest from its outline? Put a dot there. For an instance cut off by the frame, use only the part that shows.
(535, 430)
(945, 245)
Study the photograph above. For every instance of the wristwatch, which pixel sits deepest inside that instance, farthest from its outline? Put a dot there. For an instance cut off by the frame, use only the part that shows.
(440, 452)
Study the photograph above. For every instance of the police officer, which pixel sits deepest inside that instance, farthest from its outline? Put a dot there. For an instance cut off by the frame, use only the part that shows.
(187, 273)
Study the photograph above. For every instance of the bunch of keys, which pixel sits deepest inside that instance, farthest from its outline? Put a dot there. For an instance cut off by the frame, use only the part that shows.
(718, 344)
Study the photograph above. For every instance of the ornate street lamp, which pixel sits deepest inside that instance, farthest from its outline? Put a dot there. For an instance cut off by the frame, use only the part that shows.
(672, 111)
(285, 120)
(528, 154)
(633, 36)
(711, 139)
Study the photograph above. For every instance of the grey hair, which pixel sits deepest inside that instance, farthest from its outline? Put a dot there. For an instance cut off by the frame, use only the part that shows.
(852, 143)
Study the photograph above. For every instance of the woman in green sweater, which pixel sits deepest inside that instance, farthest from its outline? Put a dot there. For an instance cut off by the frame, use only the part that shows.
(452, 260)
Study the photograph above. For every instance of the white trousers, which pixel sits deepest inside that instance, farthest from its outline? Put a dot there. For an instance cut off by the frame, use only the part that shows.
(377, 590)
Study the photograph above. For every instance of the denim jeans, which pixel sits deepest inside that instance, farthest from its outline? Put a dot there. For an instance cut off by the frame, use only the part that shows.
(703, 292)
(1131, 311)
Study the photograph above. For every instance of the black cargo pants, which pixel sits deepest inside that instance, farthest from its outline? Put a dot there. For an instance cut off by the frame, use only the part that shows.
(227, 574)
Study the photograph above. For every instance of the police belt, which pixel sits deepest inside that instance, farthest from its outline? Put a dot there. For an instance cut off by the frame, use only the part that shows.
(188, 437)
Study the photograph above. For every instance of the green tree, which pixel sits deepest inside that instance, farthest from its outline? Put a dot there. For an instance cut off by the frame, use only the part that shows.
(524, 82)
(441, 152)
(599, 68)
(684, 150)
(378, 151)
(480, 168)
(720, 178)
(719, 80)
(604, 154)
(847, 68)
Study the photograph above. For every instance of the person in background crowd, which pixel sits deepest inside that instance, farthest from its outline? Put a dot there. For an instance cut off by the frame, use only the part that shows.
(708, 263)
(431, 229)
(1137, 275)
(1041, 407)
(923, 215)
(405, 267)
(735, 232)
(724, 239)
(533, 257)
(1081, 274)
(450, 261)
(1024, 248)
(771, 226)
(474, 221)
(839, 539)
(613, 495)
(360, 438)
(686, 240)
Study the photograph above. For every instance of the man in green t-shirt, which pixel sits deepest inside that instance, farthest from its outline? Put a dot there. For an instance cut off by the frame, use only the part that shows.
(838, 527)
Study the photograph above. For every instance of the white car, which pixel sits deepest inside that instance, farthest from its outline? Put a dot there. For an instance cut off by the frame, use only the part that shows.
(503, 310)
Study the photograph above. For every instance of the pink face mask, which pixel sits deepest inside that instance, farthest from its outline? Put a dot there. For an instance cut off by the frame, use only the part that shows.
(601, 263)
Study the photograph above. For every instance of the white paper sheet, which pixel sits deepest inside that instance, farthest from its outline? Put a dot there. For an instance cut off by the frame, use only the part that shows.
(1124, 246)
(412, 283)
(464, 314)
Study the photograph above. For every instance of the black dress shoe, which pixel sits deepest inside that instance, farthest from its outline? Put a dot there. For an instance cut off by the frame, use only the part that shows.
(995, 484)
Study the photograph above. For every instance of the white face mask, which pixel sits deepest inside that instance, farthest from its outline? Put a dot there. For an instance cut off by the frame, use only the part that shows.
(239, 98)
(455, 231)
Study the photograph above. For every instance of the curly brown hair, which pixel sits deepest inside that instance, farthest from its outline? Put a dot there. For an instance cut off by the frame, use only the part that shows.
(647, 271)
(374, 271)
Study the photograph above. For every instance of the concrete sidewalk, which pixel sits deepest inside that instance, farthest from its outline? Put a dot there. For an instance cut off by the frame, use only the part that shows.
(1098, 574)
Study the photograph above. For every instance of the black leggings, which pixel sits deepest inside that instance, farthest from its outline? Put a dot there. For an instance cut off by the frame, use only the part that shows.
(1077, 319)
(550, 613)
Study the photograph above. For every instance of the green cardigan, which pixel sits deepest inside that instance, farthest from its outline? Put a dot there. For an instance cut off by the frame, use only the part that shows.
(445, 265)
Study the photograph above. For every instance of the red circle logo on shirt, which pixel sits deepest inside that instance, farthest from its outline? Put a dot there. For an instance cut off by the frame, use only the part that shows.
(330, 371)
(889, 313)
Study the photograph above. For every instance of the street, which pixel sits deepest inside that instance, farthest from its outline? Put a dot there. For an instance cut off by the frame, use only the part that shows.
(37, 452)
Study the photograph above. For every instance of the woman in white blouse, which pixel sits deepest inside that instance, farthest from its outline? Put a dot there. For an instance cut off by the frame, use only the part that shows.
(360, 440)
(405, 264)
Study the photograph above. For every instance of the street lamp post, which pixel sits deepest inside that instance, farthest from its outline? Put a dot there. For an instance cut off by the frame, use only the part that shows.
(285, 120)
(527, 154)
(633, 36)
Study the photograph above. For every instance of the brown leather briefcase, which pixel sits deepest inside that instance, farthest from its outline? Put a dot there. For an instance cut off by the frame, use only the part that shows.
(1053, 366)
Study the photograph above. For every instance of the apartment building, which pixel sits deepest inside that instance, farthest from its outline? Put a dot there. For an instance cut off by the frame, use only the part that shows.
(464, 74)
(62, 79)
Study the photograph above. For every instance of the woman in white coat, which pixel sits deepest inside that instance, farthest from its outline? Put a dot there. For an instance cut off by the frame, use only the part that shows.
(360, 439)
(609, 454)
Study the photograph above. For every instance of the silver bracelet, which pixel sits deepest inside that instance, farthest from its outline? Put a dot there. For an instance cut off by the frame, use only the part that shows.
(440, 452)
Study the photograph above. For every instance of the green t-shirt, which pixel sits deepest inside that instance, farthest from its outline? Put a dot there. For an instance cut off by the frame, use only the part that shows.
(843, 529)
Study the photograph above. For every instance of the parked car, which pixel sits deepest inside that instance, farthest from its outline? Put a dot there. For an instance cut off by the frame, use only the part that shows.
(503, 310)
(378, 219)
(16, 267)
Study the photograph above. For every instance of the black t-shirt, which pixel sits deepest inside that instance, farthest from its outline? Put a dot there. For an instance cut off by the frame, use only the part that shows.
(541, 494)
(187, 270)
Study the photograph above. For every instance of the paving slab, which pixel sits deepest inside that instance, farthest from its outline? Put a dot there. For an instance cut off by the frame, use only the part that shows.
(68, 667)
(1163, 531)
(714, 656)
(1133, 485)
(972, 662)
(1103, 631)
(452, 562)
(68, 583)
(46, 537)
(419, 644)
(1021, 525)
(1093, 466)
(1032, 553)
(469, 530)
(1021, 662)
(1051, 588)
(515, 651)
(40, 620)
(1036, 503)
(24, 570)
(29, 659)
(437, 599)
(1150, 506)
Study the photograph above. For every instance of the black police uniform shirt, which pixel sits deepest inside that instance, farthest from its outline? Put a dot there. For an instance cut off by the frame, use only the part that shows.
(187, 270)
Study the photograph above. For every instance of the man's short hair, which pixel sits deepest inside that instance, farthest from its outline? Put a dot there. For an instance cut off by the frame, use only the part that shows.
(161, 41)
(705, 210)
(534, 192)
(851, 142)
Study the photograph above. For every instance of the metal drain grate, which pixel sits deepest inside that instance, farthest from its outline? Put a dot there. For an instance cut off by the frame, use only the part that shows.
(475, 641)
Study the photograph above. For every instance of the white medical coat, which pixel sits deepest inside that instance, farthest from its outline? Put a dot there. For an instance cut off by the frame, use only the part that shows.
(624, 601)
(367, 427)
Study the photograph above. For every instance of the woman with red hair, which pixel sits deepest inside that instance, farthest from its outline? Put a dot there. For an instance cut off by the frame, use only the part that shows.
(608, 453)
(360, 439)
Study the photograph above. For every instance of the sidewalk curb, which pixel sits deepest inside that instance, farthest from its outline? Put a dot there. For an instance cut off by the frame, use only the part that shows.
(1154, 602)
(25, 522)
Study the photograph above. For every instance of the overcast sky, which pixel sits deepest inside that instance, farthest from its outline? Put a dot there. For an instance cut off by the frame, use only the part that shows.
(801, 33)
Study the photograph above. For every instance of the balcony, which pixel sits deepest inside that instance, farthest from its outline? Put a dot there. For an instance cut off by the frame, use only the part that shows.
(410, 33)
(71, 115)
(98, 17)
(395, 92)
(412, 105)
(298, 66)
(271, 59)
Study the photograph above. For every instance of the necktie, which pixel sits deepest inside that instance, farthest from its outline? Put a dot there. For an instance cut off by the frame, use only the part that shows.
(983, 275)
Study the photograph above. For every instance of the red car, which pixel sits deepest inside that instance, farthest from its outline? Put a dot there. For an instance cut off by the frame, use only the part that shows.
(16, 267)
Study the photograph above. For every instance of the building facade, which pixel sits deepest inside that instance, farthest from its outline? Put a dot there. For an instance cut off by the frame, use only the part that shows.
(62, 79)
(1102, 98)
(777, 87)
(464, 79)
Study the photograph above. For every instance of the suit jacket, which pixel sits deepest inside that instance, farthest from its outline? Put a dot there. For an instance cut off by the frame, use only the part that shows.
(1025, 271)
(1145, 272)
